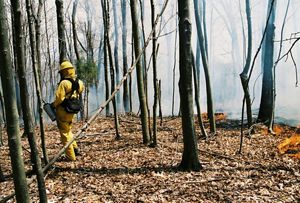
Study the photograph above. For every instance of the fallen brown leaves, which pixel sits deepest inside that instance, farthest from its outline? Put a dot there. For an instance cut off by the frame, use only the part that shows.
(127, 171)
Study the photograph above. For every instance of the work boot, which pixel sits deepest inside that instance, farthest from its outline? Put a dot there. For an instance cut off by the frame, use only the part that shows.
(63, 158)
(77, 152)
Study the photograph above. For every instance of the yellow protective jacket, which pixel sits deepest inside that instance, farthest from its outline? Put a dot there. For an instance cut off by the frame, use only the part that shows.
(64, 119)
(64, 90)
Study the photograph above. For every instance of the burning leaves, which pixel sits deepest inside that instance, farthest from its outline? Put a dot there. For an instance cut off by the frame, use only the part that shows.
(290, 146)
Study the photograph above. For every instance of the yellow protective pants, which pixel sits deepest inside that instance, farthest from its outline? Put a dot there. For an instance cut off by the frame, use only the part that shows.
(64, 124)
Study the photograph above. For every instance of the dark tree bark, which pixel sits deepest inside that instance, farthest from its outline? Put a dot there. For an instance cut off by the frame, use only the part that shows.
(35, 66)
(124, 55)
(9, 91)
(144, 62)
(197, 92)
(210, 103)
(267, 94)
(159, 103)
(3, 119)
(48, 58)
(107, 93)
(14, 66)
(116, 53)
(2, 178)
(190, 160)
(130, 76)
(77, 54)
(75, 30)
(1, 135)
(61, 30)
(90, 60)
(272, 4)
(197, 63)
(27, 116)
(155, 82)
(39, 76)
(144, 56)
(106, 19)
(139, 71)
(204, 26)
(244, 74)
(89, 39)
(38, 43)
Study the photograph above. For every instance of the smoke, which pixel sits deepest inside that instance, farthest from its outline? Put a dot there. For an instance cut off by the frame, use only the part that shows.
(226, 45)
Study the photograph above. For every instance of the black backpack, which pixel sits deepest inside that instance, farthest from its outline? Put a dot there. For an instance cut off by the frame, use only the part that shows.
(72, 105)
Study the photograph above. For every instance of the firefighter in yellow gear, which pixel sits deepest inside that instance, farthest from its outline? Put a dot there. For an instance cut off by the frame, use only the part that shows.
(64, 119)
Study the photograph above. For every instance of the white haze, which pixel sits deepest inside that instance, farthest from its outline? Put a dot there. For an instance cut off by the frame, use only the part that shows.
(224, 68)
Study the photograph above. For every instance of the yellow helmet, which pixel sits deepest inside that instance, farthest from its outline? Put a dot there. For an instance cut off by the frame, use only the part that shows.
(65, 65)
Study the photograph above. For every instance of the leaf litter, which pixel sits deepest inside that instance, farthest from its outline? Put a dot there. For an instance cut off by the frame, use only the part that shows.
(125, 170)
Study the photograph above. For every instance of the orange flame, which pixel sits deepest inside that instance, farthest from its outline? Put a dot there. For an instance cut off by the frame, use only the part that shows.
(218, 116)
(278, 129)
(290, 146)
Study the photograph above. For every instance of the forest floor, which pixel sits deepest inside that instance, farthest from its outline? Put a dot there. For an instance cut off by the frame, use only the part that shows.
(125, 170)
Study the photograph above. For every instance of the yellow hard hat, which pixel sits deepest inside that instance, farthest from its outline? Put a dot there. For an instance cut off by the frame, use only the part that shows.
(65, 65)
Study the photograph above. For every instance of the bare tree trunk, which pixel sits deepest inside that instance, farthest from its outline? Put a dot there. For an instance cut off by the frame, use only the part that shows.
(244, 74)
(9, 91)
(14, 44)
(2, 106)
(61, 30)
(75, 3)
(272, 4)
(48, 58)
(112, 75)
(198, 57)
(1, 135)
(100, 77)
(159, 103)
(204, 26)
(124, 53)
(116, 54)
(107, 93)
(35, 66)
(190, 160)
(155, 82)
(267, 94)
(174, 67)
(1, 119)
(38, 42)
(139, 71)
(90, 56)
(2, 178)
(144, 62)
(130, 76)
(210, 103)
(39, 75)
(75, 38)
(196, 86)
(27, 116)
(144, 57)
